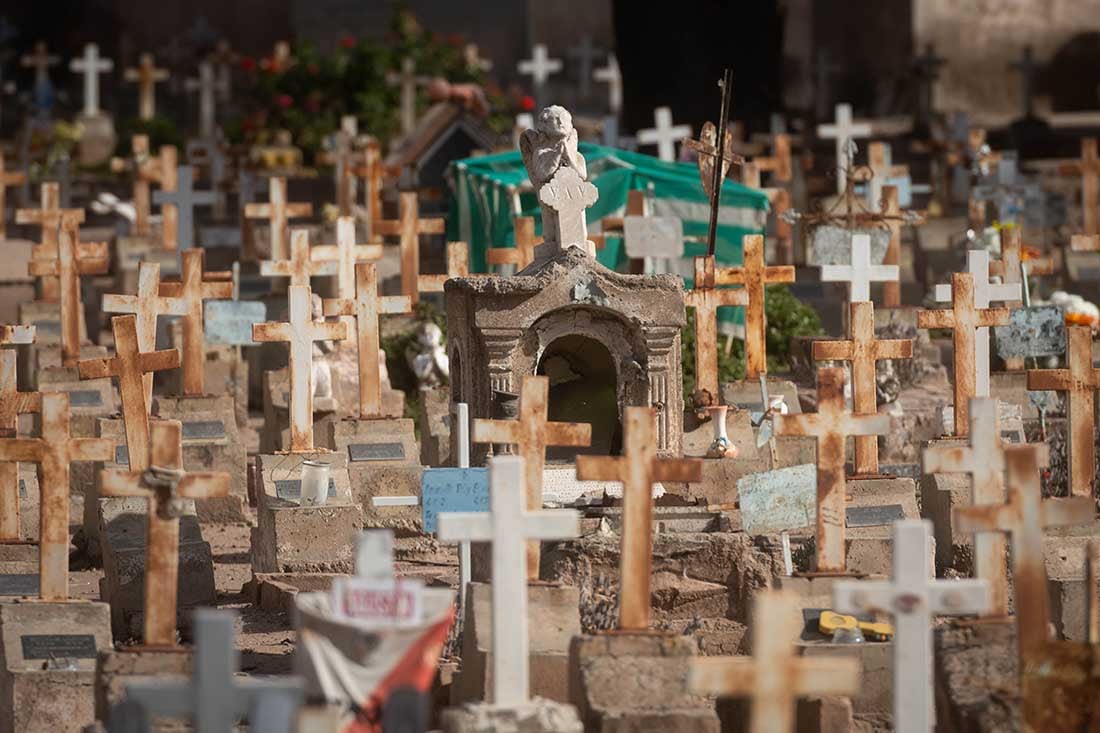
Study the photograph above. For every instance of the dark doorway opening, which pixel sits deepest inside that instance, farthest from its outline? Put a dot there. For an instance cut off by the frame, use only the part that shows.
(583, 388)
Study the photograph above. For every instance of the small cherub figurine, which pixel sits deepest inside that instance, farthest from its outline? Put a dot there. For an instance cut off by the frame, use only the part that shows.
(429, 360)
(552, 145)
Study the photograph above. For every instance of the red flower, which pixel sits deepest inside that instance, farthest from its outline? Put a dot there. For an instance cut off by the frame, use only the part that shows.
(347, 41)
(284, 101)
(527, 103)
(248, 63)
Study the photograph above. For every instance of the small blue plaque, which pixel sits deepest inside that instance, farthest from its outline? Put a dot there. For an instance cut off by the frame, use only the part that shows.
(452, 490)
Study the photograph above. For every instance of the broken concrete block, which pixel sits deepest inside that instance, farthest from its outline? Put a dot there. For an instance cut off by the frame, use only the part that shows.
(537, 716)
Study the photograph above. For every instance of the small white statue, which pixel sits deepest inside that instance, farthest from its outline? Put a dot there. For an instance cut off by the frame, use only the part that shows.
(429, 362)
(551, 146)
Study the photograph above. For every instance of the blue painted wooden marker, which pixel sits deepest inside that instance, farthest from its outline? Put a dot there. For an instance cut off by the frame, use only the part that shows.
(452, 490)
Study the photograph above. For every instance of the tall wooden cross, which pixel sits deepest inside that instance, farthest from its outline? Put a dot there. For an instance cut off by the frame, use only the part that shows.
(13, 403)
(277, 210)
(774, 677)
(91, 64)
(183, 198)
(192, 290)
(365, 307)
(49, 216)
(860, 273)
(164, 171)
(129, 365)
(54, 451)
(301, 266)
(409, 226)
(346, 254)
(705, 299)
(14, 178)
(300, 333)
(638, 468)
(531, 433)
(70, 263)
(664, 134)
(408, 81)
(458, 265)
(914, 597)
(1090, 185)
(523, 253)
(754, 275)
(985, 292)
(507, 525)
(964, 319)
(862, 349)
(831, 425)
(146, 75)
(145, 169)
(1023, 517)
(1008, 267)
(843, 129)
(539, 67)
(1079, 380)
(892, 218)
(158, 477)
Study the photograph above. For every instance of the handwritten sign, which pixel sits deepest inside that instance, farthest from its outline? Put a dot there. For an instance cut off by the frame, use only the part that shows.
(230, 321)
(452, 490)
(379, 603)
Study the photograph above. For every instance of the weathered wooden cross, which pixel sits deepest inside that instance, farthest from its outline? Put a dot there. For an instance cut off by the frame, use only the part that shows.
(346, 254)
(664, 134)
(774, 677)
(705, 299)
(13, 403)
(507, 525)
(158, 477)
(964, 318)
(365, 307)
(302, 265)
(277, 210)
(145, 169)
(183, 198)
(14, 178)
(638, 468)
(523, 253)
(146, 75)
(860, 273)
(914, 597)
(458, 265)
(1008, 267)
(1090, 185)
(862, 349)
(843, 129)
(409, 226)
(193, 289)
(300, 333)
(54, 451)
(1079, 380)
(831, 425)
(50, 217)
(531, 433)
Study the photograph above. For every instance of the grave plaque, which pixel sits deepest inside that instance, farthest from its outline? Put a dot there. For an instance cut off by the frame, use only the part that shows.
(203, 430)
(364, 452)
(22, 489)
(85, 398)
(653, 236)
(230, 321)
(1036, 331)
(874, 516)
(290, 489)
(452, 490)
(122, 456)
(12, 584)
(901, 470)
(779, 500)
(832, 245)
(58, 646)
(49, 328)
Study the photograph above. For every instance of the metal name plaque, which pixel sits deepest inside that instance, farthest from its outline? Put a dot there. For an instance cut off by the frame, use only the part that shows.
(230, 321)
(122, 455)
(363, 452)
(1036, 331)
(203, 430)
(653, 236)
(874, 516)
(85, 398)
(58, 646)
(290, 489)
(12, 584)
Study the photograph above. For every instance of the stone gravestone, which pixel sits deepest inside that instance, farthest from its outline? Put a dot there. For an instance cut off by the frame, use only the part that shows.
(98, 139)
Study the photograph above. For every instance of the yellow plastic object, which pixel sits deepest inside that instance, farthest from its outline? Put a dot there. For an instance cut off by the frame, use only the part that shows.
(830, 621)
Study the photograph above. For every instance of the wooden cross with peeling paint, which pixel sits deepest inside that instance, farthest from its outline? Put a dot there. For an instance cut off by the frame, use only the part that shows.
(964, 318)
(365, 307)
(13, 403)
(192, 290)
(914, 598)
(145, 169)
(13, 178)
(129, 365)
(531, 434)
(162, 488)
(523, 253)
(54, 451)
(278, 211)
(1023, 518)
(300, 333)
(637, 469)
(409, 226)
(1079, 380)
(301, 266)
(860, 273)
(68, 266)
(458, 265)
(831, 425)
(862, 349)
(49, 216)
(1008, 267)
(346, 254)
(705, 298)
(146, 75)
(754, 275)
(775, 676)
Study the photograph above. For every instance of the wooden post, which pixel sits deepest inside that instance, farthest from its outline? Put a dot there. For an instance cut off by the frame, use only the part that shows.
(1008, 267)
(53, 452)
(523, 253)
(13, 403)
(843, 130)
(705, 298)
(365, 307)
(163, 470)
(409, 226)
(146, 75)
(1079, 380)
(278, 211)
(531, 434)
(963, 318)
(831, 425)
(346, 254)
(638, 469)
(145, 169)
(300, 333)
(166, 174)
(774, 677)
(891, 289)
(301, 266)
(7, 179)
(1090, 185)
(192, 290)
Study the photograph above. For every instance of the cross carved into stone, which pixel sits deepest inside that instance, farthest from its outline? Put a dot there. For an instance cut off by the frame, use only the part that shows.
(14, 178)
(860, 273)
(143, 480)
(278, 211)
(831, 425)
(638, 469)
(301, 266)
(300, 332)
(192, 290)
(346, 254)
(531, 434)
(705, 299)
(146, 75)
(964, 319)
(409, 226)
(862, 349)
(13, 403)
(523, 253)
(774, 677)
(365, 307)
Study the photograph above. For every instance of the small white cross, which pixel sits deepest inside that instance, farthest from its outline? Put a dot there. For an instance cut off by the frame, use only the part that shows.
(614, 79)
(842, 130)
(985, 292)
(540, 66)
(664, 134)
(207, 87)
(860, 273)
(913, 596)
(92, 66)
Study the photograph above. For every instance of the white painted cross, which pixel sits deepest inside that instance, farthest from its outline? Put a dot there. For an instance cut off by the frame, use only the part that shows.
(539, 67)
(508, 525)
(614, 79)
(408, 81)
(207, 87)
(664, 134)
(92, 66)
(860, 273)
(985, 292)
(843, 129)
(913, 596)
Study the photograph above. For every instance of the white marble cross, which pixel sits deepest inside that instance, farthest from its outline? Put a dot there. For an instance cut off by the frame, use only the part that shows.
(985, 292)
(914, 597)
(92, 65)
(508, 526)
(843, 129)
(664, 134)
(611, 75)
(207, 87)
(539, 67)
(860, 273)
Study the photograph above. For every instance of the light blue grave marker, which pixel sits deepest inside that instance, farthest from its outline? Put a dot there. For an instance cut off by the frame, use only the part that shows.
(452, 490)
